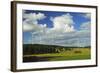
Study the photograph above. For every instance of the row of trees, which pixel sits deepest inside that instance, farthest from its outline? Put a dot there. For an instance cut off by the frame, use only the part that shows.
(29, 49)
(41, 49)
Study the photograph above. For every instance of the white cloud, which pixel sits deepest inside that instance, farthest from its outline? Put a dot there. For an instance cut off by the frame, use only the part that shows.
(31, 21)
(63, 23)
(27, 27)
(87, 15)
(86, 26)
(77, 38)
(33, 27)
(34, 16)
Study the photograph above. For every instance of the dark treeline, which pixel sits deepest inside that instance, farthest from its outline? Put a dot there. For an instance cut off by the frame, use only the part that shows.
(29, 49)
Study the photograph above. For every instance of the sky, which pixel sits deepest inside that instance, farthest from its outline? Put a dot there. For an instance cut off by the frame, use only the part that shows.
(56, 28)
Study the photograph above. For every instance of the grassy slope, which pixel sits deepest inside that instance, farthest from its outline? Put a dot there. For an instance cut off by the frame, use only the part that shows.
(66, 55)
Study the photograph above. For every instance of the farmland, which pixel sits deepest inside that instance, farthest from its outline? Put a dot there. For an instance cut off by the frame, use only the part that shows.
(37, 52)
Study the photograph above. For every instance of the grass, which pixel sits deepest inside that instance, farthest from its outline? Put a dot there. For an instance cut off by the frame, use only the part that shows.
(74, 54)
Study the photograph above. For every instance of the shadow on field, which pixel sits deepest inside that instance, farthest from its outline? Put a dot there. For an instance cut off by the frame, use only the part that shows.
(36, 59)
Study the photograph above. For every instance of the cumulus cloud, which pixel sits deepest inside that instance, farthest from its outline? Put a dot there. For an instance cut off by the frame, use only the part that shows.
(63, 23)
(31, 21)
(33, 27)
(34, 16)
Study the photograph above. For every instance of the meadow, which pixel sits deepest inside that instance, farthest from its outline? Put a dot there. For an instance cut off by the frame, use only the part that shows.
(55, 53)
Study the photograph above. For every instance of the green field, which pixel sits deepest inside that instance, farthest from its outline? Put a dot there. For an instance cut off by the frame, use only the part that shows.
(63, 54)
(68, 55)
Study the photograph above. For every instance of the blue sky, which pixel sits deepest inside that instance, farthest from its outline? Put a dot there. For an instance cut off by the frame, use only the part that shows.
(53, 22)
